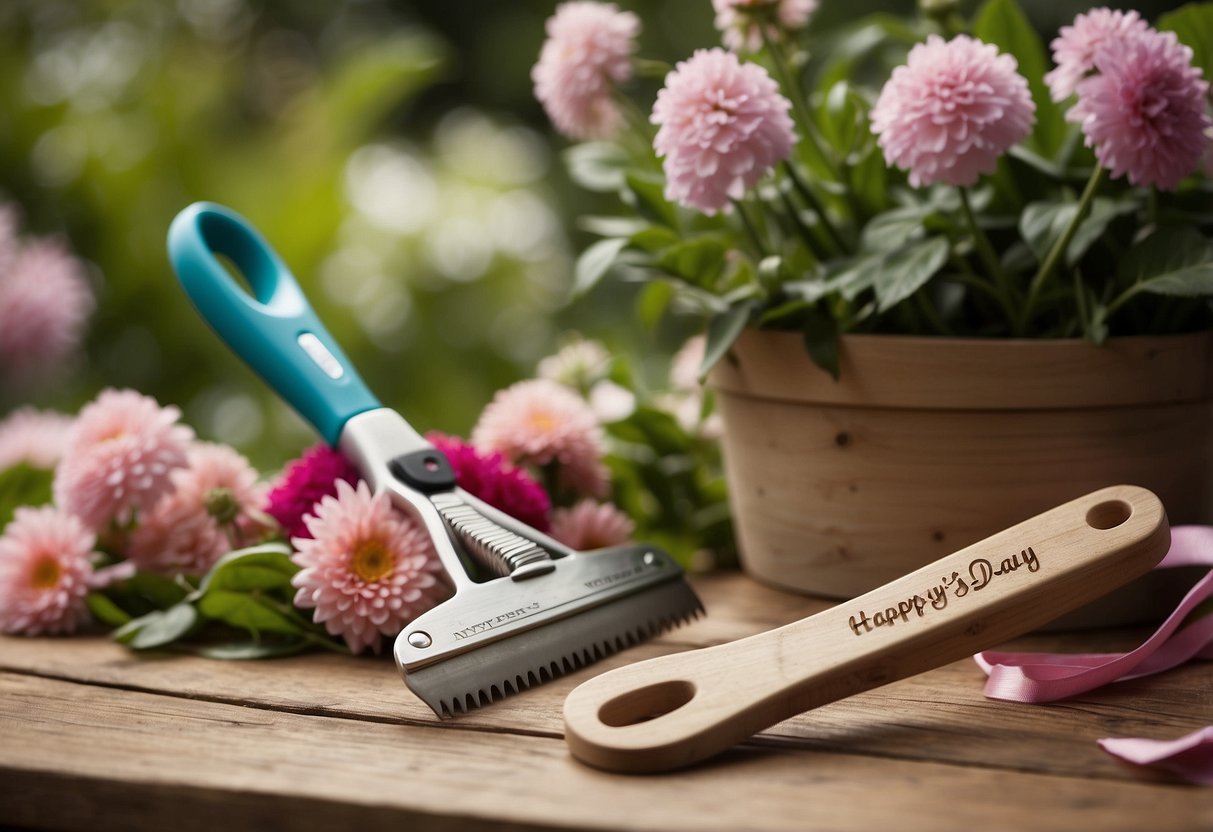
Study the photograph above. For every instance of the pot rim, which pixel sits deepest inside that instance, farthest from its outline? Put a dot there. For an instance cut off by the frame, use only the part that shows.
(942, 373)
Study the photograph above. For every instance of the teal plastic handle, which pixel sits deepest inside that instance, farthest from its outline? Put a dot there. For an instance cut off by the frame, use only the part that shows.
(274, 330)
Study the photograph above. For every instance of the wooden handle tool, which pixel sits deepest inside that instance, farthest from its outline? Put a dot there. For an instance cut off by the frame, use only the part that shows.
(669, 712)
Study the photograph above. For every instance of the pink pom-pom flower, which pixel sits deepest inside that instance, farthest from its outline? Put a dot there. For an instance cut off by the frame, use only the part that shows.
(367, 570)
(119, 457)
(1144, 110)
(541, 422)
(742, 22)
(33, 437)
(951, 111)
(723, 126)
(46, 572)
(304, 483)
(211, 511)
(589, 525)
(487, 475)
(1075, 45)
(587, 53)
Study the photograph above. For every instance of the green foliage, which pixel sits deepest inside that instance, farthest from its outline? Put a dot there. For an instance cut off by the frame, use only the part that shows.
(1193, 25)
(23, 485)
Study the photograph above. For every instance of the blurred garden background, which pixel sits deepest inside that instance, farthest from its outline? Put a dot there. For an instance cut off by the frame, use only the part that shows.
(392, 152)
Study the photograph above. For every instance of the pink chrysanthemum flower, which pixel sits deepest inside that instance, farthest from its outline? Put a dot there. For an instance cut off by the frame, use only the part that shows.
(589, 525)
(367, 570)
(490, 477)
(45, 302)
(212, 510)
(541, 422)
(1075, 45)
(304, 483)
(35, 437)
(46, 572)
(1144, 110)
(587, 53)
(579, 364)
(952, 110)
(723, 126)
(741, 22)
(119, 457)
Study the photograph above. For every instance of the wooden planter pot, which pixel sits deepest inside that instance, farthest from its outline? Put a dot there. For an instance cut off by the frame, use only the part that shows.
(926, 445)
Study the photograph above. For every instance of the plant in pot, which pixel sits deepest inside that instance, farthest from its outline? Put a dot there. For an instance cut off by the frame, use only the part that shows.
(945, 285)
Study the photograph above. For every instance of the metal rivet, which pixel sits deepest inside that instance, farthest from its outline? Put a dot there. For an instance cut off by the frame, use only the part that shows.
(651, 559)
(419, 639)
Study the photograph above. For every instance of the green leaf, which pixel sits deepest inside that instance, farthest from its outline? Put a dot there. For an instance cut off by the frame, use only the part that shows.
(268, 566)
(653, 301)
(607, 226)
(723, 330)
(159, 591)
(699, 260)
(245, 650)
(105, 610)
(821, 341)
(594, 263)
(597, 166)
(653, 238)
(646, 193)
(1173, 261)
(1003, 23)
(23, 485)
(248, 612)
(1043, 223)
(156, 629)
(893, 229)
(904, 272)
(1193, 25)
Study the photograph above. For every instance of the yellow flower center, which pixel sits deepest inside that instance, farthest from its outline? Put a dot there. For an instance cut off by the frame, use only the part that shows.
(372, 561)
(46, 574)
(543, 421)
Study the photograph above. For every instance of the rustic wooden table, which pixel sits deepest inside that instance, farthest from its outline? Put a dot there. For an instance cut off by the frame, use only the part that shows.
(94, 737)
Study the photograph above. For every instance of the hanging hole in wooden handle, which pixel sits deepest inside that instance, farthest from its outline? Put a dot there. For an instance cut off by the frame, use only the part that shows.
(1108, 514)
(644, 704)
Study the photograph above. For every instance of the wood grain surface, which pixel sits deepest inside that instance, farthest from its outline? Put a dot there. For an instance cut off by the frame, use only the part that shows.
(95, 737)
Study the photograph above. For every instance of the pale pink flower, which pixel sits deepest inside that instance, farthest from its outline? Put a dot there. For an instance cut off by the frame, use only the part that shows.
(367, 570)
(9, 244)
(952, 110)
(589, 525)
(611, 402)
(46, 572)
(119, 457)
(578, 364)
(741, 22)
(214, 508)
(587, 53)
(1075, 45)
(1144, 110)
(541, 422)
(33, 437)
(45, 302)
(723, 126)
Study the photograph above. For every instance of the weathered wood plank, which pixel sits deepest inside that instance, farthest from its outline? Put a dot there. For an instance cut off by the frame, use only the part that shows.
(75, 755)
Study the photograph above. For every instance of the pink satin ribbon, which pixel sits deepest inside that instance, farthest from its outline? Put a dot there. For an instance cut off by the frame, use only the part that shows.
(1047, 677)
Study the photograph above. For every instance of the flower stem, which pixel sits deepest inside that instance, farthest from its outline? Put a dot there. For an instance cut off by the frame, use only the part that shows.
(800, 106)
(750, 228)
(803, 230)
(815, 205)
(1057, 252)
(988, 257)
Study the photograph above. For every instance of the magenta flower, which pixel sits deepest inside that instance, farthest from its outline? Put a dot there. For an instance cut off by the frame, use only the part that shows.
(304, 483)
(33, 437)
(45, 302)
(589, 525)
(46, 572)
(587, 53)
(741, 22)
(951, 111)
(1075, 45)
(211, 511)
(1144, 110)
(119, 457)
(367, 570)
(723, 126)
(540, 423)
(487, 475)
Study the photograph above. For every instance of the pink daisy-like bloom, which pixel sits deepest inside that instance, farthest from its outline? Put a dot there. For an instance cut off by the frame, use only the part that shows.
(33, 437)
(723, 126)
(304, 483)
(579, 364)
(367, 570)
(487, 475)
(587, 53)
(1075, 45)
(740, 22)
(589, 525)
(46, 572)
(952, 110)
(45, 302)
(119, 457)
(541, 422)
(211, 511)
(1144, 110)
